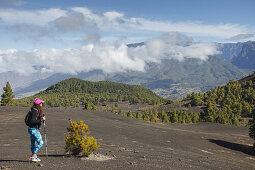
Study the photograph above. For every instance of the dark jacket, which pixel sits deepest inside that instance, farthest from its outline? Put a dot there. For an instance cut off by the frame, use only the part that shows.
(35, 119)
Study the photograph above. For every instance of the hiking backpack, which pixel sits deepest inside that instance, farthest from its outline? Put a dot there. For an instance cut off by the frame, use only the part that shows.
(28, 118)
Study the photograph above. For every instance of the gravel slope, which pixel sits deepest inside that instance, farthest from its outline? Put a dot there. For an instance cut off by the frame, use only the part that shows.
(126, 143)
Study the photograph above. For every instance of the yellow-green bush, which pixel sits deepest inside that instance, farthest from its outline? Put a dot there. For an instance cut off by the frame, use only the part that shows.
(77, 141)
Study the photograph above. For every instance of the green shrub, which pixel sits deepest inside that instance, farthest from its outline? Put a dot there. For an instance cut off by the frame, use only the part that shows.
(77, 142)
(131, 115)
(89, 106)
(122, 113)
(139, 115)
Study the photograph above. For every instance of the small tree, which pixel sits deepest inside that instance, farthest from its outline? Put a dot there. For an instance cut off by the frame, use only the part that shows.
(139, 115)
(122, 113)
(77, 141)
(196, 101)
(89, 106)
(7, 96)
(164, 117)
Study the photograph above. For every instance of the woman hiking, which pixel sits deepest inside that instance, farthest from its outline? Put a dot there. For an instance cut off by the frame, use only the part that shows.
(34, 129)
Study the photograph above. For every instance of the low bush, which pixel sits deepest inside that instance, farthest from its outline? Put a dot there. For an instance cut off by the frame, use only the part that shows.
(77, 142)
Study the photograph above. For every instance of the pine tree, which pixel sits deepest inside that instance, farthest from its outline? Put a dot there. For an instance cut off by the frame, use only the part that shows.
(164, 117)
(139, 116)
(7, 96)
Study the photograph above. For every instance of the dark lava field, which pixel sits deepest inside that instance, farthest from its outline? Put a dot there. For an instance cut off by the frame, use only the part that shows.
(125, 143)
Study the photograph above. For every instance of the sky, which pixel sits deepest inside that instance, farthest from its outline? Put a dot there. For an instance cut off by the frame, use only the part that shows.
(95, 32)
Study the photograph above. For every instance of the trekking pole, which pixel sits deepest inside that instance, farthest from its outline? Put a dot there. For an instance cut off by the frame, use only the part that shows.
(45, 139)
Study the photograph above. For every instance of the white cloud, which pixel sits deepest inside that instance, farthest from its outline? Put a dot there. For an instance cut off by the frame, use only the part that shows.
(113, 15)
(93, 38)
(115, 21)
(108, 21)
(4, 3)
(74, 22)
(242, 37)
(105, 57)
(33, 32)
(195, 29)
(173, 45)
(37, 17)
(82, 19)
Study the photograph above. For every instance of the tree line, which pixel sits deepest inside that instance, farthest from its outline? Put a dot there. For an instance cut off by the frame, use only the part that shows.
(173, 116)
(76, 92)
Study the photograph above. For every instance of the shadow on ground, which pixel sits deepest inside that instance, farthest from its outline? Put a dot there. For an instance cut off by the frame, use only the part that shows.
(61, 155)
(54, 155)
(7, 160)
(234, 146)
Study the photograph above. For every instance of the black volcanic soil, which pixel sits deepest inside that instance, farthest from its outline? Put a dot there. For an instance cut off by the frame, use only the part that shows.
(128, 143)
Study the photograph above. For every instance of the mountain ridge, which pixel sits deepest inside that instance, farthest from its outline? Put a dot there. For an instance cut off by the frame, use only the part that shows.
(182, 80)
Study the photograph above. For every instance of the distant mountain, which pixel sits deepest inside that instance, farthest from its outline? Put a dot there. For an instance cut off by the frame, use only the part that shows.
(246, 58)
(229, 51)
(241, 55)
(177, 78)
(170, 78)
(19, 81)
(41, 84)
(136, 44)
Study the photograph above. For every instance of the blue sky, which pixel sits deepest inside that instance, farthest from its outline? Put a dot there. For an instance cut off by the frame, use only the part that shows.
(217, 11)
(203, 20)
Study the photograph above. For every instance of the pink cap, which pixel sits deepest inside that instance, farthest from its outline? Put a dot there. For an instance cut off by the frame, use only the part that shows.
(38, 101)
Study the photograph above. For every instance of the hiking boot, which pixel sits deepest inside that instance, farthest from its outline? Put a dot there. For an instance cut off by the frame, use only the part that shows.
(34, 159)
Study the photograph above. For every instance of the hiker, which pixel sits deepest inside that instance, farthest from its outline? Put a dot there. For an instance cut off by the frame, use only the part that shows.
(34, 129)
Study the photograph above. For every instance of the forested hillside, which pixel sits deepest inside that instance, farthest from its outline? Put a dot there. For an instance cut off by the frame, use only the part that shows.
(180, 78)
(73, 92)
(227, 104)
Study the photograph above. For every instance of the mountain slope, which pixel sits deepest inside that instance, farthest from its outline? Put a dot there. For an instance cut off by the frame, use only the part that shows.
(172, 77)
(226, 104)
(187, 75)
(246, 58)
(229, 51)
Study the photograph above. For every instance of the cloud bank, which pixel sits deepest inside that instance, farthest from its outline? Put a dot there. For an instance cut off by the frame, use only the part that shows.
(242, 37)
(105, 57)
(4, 3)
(83, 20)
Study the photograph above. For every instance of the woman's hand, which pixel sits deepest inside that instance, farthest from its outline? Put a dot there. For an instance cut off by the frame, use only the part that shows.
(43, 118)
